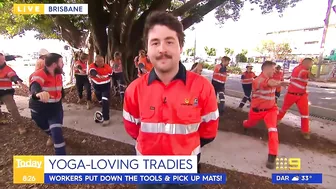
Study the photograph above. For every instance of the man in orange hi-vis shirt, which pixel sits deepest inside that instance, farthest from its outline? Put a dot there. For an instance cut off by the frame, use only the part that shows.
(263, 107)
(40, 62)
(279, 76)
(169, 111)
(297, 93)
(219, 77)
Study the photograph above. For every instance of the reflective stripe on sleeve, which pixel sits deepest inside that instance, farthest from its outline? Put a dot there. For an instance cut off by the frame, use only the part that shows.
(34, 78)
(272, 130)
(130, 118)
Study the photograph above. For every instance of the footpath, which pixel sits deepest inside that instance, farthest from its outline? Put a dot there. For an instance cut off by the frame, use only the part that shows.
(229, 150)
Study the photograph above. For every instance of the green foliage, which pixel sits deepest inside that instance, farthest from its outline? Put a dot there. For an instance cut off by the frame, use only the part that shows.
(250, 60)
(210, 51)
(241, 58)
(205, 65)
(231, 9)
(12, 25)
(278, 51)
(234, 70)
(228, 51)
(190, 51)
(244, 52)
(211, 66)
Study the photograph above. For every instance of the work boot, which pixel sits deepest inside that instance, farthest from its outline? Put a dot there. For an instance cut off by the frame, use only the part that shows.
(106, 122)
(22, 130)
(49, 141)
(271, 161)
(88, 105)
(306, 136)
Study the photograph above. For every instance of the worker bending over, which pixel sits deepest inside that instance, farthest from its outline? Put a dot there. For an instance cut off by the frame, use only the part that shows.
(7, 77)
(297, 93)
(263, 106)
(142, 63)
(46, 88)
(100, 74)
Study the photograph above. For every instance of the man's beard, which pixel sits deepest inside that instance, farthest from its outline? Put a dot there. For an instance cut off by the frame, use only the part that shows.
(58, 70)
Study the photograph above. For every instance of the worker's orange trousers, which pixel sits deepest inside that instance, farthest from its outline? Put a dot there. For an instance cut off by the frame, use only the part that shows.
(270, 119)
(302, 104)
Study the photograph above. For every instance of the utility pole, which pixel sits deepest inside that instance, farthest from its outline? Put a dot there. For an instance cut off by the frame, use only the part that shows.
(326, 24)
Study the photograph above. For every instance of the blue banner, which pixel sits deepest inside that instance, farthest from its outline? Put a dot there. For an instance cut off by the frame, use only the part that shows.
(92, 178)
(297, 178)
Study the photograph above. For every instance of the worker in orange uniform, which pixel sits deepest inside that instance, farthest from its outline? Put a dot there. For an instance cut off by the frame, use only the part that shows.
(218, 81)
(40, 61)
(279, 76)
(118, 75)
(46, 88)
(7, 77)
(197, 68)
(170, 111)
(142, 63)
(297, 93)
(100, 74)
(246, 80)
(82, 80)
(263, 106)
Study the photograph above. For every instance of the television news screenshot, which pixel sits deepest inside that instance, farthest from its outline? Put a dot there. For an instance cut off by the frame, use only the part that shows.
(168, 94)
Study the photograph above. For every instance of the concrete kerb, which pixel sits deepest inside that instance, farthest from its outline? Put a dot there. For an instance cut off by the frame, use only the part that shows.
(241, 153)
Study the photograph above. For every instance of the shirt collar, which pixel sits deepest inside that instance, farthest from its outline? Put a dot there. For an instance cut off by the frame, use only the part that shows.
(181, 74)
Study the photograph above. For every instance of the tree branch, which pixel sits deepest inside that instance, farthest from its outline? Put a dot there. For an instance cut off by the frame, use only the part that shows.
(128, 19)
(186, 7)
(137, 28)
(201, 11)
(98, 25)
(69, 32)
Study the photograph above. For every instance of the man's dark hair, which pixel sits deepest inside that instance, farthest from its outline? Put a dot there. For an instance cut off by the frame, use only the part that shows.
(267, 63)
(194, 66)
(52, 58)
(163, 19)
(226, 58)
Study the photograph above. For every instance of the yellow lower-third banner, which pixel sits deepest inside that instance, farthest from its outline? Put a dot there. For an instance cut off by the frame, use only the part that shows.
(28, 169)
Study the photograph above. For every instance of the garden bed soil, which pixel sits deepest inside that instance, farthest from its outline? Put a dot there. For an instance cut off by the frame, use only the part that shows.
(232, 121)
(79, 143)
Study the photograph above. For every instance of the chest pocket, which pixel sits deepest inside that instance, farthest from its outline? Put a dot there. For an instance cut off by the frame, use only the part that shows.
(148, 114)
(188, 114)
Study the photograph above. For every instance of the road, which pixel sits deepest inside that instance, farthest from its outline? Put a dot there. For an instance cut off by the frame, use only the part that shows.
(317, 96)
(322, 101)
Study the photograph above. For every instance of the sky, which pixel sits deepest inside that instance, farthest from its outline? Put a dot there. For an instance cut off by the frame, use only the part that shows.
(246, 33)
(252, 26)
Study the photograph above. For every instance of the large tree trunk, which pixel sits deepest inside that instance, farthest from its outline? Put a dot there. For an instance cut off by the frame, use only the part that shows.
(125, 32)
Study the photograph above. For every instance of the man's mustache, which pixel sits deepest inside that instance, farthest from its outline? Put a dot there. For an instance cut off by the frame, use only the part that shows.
(163, 56)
